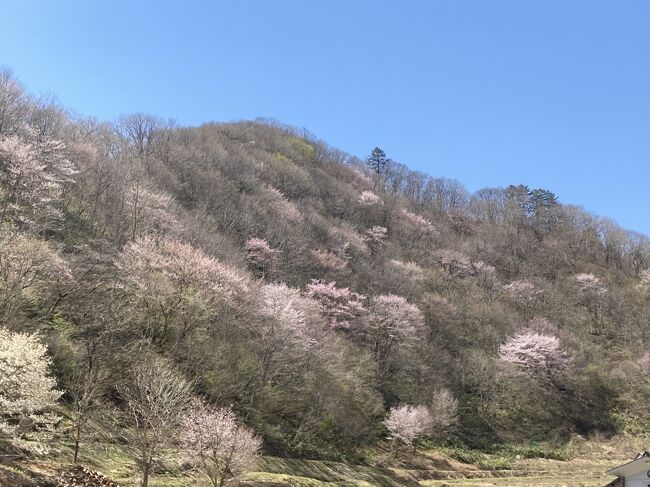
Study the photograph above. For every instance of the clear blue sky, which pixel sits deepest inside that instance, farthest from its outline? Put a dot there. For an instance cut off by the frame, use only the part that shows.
(554, 94)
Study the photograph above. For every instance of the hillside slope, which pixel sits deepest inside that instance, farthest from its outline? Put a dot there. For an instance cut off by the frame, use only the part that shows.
(292, 282)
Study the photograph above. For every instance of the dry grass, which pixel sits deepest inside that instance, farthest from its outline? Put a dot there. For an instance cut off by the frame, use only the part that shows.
(590, 460)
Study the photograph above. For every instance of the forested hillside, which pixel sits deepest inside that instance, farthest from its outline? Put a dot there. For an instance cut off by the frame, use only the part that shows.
(313, 294)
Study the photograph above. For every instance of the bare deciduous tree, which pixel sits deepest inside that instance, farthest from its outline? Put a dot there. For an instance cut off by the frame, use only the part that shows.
(12, 102)
(142, 130)
(85, 387)
(156, 396)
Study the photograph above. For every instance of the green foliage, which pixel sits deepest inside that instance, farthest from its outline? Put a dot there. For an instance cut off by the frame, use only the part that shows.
(538, 451)
(481, 459)
(502, 456)
(304, 150)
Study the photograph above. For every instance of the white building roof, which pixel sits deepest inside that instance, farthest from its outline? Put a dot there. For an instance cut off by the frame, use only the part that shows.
(641, 462)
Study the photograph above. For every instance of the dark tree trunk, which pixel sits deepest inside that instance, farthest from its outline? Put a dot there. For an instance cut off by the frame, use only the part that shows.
(77, 437)
(145, 474)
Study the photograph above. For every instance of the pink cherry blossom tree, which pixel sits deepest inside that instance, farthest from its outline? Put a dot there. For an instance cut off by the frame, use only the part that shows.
(392, 321)
(291, 310)
(375, 238)
(217, 443)
(525, 294)
(539, 355)
(184, 264)
(340, 306)
(175, 286)
(417, 222)
(260, 257)
(34, 174)
(346, 236)
(589, 283)
(285, 334)
(284, 208)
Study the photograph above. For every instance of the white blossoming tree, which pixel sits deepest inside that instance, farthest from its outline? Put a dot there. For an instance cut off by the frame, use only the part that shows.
(444, 411)
(151, 212)
(592, 291)
(368, 198)
(406, 423)
(27, 390)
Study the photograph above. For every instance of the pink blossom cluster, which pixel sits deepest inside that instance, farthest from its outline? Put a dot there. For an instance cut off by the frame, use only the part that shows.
(283, 206)
(409, 270)
(537, 353)
(290, 310)
(329, 260)
(259, 255)
(346, 235)
(151, 209)
(339, 305)
(34, 173)
(368, 198)
(590, 283)
(454, 262)
(444, 410)
(375, 237)
(523, 291)
(183, 264)
(28, 264)
(417, 221)
(217, 443)
(394, 318)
